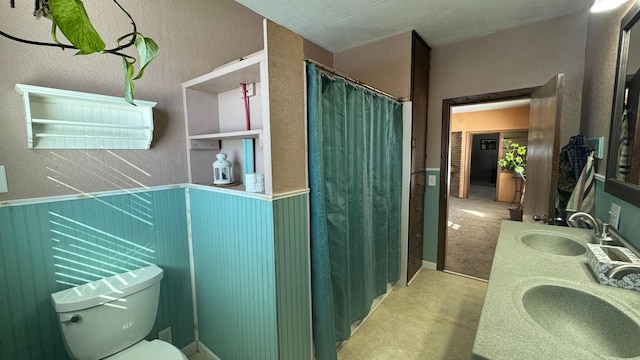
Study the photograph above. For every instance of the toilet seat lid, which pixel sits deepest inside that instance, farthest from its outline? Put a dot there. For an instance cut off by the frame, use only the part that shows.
(156, 349)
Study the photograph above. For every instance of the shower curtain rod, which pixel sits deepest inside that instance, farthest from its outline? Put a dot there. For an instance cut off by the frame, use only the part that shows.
(355, 81)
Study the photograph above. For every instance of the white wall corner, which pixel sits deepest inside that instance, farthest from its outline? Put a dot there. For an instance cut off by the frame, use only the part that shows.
(190, 349)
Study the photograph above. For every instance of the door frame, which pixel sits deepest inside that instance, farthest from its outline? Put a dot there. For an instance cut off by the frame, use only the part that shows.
(443, 206)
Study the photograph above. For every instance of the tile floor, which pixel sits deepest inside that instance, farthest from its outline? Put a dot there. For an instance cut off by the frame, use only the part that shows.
(197, 356)
(434, 318)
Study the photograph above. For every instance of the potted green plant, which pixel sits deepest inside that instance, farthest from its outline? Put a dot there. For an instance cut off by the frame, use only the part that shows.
(70, 18)
(514, 159)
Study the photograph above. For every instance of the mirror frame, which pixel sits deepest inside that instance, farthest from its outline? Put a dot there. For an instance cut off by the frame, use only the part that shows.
(623, 190)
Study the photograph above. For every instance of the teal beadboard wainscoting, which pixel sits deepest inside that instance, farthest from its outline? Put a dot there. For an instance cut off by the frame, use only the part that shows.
(293, 286)
(629, 214)
(49, 246)
(252, 275)
(234, 271)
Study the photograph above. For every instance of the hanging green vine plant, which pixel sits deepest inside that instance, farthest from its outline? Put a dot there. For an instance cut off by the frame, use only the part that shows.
(71, 18)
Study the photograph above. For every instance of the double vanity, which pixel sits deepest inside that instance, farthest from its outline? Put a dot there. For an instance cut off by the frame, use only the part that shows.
(543, 300)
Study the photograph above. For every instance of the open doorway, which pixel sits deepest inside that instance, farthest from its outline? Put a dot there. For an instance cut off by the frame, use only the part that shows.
(478, 192)
(542, 154)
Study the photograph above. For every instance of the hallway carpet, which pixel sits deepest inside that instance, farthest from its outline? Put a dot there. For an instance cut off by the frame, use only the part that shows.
(472, 231)
(433, 318)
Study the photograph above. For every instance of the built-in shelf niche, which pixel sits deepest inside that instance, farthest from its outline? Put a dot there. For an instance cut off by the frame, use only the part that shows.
(216, 120)
(63, 119)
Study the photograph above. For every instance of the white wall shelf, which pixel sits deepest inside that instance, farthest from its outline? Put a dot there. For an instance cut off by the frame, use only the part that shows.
(215, 116)
(215, 119)
(229, 76)
(212, 141)
(249, 134)
(62, 119)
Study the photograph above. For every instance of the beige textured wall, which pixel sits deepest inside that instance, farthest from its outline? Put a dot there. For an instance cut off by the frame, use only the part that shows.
(522, 57)
(286, 109)
(599, 75)
(194, 37)
(317, 53)
(384, 64)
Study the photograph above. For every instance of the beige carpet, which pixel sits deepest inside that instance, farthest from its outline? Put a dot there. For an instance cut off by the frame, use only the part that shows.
(472, 232)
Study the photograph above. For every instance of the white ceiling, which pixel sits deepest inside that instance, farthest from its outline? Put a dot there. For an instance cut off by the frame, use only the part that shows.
(498, 105)
(337, 25)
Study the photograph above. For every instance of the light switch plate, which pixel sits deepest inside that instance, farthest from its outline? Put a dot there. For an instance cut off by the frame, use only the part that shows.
(432, 180)
(598, 146)
(3, 180)
(614, 217)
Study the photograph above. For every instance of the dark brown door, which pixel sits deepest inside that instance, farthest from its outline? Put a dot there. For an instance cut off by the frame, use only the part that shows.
(419, 96)
(543, 147)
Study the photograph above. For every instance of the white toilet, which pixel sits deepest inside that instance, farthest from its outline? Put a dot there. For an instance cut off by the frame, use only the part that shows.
(109, 318)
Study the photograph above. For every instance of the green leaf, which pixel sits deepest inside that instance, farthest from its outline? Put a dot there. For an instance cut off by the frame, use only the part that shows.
(147, 49)
(128, 80)
(54, 28)
(72, 19)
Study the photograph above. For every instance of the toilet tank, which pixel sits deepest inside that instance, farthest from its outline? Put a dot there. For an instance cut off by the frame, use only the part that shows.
(105, 316)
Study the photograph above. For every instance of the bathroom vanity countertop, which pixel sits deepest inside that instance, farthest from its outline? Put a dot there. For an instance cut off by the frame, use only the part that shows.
(505, 330)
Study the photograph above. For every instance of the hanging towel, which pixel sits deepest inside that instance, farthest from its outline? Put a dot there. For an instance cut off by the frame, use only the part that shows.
(572, 161)
(583, 196)
(624, 158)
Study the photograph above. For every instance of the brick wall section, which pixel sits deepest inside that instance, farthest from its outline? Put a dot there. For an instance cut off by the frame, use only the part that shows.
(456, 163)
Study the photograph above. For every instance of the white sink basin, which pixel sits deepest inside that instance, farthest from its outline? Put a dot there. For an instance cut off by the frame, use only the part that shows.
(584, 319)
(551, 243)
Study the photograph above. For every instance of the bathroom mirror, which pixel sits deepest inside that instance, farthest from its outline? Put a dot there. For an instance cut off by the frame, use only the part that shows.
(623, 163)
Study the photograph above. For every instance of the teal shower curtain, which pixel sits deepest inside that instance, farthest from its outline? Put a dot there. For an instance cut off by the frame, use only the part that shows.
(355, 166)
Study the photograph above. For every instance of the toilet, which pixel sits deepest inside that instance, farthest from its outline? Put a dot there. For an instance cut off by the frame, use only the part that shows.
(109, 318)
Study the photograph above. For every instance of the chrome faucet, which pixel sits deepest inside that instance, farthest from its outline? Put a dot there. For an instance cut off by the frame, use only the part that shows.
(572, 221)
(620, 271)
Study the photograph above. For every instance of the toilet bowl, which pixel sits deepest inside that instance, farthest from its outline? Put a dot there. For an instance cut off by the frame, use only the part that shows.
(109, 318)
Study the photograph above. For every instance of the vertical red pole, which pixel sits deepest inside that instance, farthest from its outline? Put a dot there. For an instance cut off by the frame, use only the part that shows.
(246, 106)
